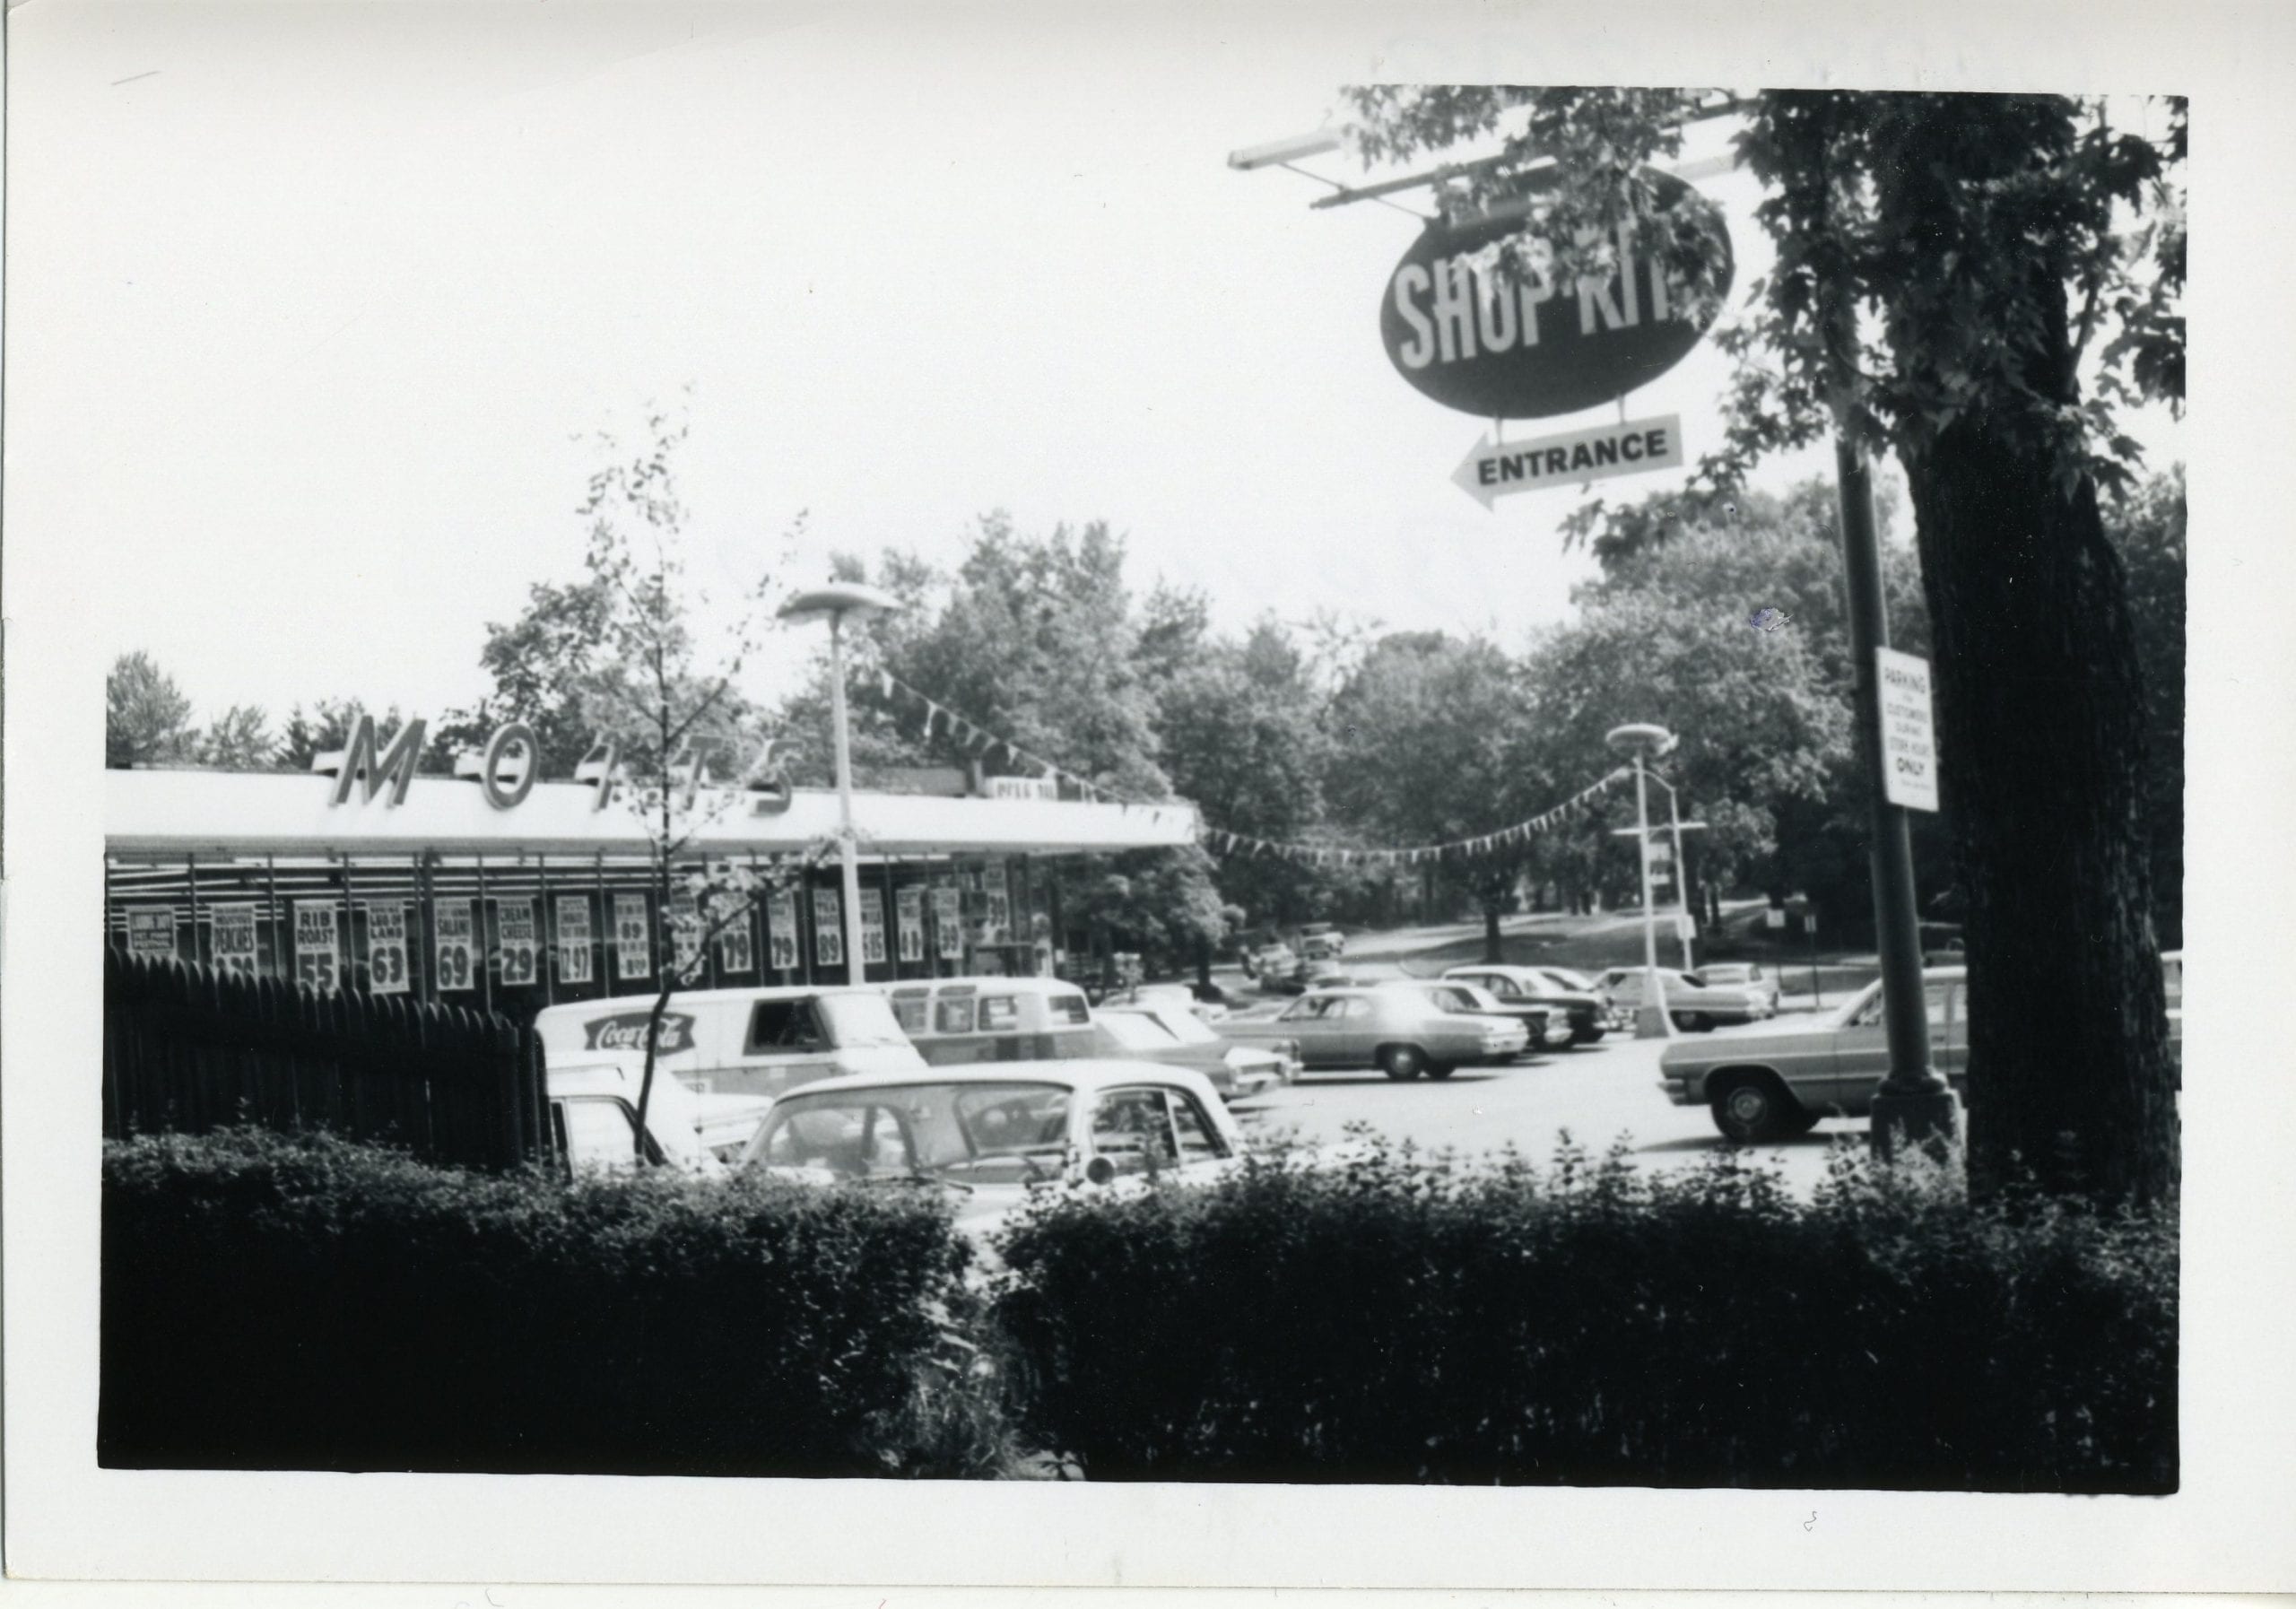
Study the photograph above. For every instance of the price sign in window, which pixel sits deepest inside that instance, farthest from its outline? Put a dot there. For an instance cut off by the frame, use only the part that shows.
(872, 927)
(633, 938)
(515, 934)
(910, 917)
(231, 939)
(573, 938)
(736, 952)
(318, 945)
(829, 928)
(386, 966)
(152, 931)
(456, 929)
(948, 924)
(781, 930)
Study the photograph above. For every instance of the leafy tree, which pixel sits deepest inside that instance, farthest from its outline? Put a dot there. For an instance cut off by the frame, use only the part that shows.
(1428, 734)
(1242, 736)
(1039, 639)
(1944, 263)
(239, 739)
(325, 728)
(147, 718)
(635, 676)
(1702, 581)
(546, 667)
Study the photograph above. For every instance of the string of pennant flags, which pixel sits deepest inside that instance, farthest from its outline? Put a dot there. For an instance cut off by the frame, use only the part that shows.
(940, 719)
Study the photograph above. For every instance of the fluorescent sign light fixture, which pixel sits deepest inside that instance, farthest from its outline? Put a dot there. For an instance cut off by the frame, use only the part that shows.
(1278, 152)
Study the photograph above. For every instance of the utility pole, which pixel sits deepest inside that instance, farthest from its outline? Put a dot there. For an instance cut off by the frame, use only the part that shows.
(1914, 1108)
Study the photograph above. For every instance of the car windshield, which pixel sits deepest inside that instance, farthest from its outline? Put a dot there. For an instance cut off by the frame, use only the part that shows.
(1458, 998)
(862, 1021)
(1137, 1031)
(967, 1132)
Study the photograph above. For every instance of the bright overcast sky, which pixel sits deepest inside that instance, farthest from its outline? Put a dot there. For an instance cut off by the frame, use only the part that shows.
(312, 305)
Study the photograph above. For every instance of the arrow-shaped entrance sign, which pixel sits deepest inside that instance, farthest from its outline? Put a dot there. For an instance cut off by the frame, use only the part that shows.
(1493, 471)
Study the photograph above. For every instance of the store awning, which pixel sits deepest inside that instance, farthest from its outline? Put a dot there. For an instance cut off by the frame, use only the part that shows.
(235, 814)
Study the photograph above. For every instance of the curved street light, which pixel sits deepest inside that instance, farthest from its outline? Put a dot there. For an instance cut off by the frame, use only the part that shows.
(835, 604)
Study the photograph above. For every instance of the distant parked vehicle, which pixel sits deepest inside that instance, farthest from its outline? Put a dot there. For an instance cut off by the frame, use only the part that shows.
(951, 1020)
(1542, 1025)
(1741, 974)
(1585, 1010)
(1401, 1032)
(1172, 1036)
(1693, 1004)
(1321, 941)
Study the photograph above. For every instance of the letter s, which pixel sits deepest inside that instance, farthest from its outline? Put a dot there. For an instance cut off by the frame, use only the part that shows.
(1411, 283)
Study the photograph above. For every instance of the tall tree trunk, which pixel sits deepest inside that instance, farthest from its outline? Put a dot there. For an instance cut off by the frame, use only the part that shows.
(1491, 955)
(2042, 754)
(2040, 709)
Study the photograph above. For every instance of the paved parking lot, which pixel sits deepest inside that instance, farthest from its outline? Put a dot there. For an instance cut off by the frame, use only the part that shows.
(1598, 1092)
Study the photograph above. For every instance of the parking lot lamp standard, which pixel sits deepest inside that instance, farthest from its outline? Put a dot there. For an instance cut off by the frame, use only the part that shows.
(1675, 827)
(836, 602)
(1643, 741)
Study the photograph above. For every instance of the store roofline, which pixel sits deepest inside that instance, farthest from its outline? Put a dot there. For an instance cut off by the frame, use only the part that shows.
(240, 813)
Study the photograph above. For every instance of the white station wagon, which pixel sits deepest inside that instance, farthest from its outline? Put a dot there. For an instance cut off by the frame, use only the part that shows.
(992, 1134)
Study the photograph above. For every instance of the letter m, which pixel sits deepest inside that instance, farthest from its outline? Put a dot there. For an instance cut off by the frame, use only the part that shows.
(357, 761)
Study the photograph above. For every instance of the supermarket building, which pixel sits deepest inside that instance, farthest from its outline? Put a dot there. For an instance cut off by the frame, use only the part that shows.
(450, 889)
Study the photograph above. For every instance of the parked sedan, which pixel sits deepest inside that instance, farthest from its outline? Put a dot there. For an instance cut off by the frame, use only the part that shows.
(1172, 1036)
(1691, 1001)
(1585, 1010)
(1544, 1026)
(1322, 941)
(1401, 1032)
(1741, 974)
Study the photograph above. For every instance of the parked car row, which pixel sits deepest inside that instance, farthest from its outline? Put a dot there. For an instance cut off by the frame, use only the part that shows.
(1695, 1001)
(732, 1052)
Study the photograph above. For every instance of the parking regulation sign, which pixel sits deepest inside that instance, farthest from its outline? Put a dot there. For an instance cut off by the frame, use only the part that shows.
(1908, 735)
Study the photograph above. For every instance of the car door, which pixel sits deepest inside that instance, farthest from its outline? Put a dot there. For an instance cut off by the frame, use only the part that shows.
(1861, 1048)
(1359, 1026)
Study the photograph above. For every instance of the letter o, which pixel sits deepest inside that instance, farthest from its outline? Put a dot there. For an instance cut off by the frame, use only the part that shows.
(498, 743)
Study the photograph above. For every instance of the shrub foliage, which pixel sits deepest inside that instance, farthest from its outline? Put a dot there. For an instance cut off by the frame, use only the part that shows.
(1397, 1322)
(278, 1302)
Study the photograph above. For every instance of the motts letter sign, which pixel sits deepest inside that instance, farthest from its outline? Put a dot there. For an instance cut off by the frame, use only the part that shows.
(1909, 740)
(1512, 349)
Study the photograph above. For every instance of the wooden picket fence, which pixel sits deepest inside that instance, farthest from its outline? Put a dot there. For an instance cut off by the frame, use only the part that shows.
(190, 1047)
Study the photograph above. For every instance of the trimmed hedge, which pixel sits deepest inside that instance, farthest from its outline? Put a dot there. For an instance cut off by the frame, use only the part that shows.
(306, 1303)
(1583, 1324)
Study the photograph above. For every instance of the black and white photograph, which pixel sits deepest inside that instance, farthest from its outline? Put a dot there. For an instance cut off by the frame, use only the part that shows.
(1016, 776)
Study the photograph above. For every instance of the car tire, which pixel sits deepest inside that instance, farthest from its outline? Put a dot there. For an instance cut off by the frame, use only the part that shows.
(1438, 1071)
(1695, 1022)
(1586, 1036)
(1756, 1108)
(1402, 1063)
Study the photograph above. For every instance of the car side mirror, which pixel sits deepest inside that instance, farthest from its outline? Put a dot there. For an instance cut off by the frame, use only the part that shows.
(1100, 1171)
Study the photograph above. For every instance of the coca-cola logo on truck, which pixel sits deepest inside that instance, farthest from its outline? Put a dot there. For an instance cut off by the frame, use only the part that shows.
(628, 1032)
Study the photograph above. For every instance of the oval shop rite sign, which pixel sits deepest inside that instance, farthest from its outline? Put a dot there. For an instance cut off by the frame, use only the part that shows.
(1531, 350)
